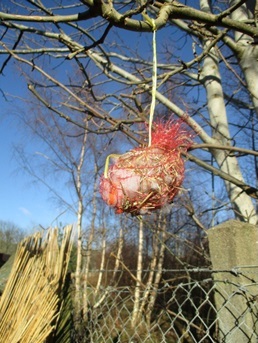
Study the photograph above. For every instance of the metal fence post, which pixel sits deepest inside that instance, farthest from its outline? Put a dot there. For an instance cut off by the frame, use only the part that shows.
(234, 255)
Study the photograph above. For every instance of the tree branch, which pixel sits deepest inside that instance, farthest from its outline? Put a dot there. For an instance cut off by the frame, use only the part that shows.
(249, 190)
(49, 19)
(172, 10)
(224, 147)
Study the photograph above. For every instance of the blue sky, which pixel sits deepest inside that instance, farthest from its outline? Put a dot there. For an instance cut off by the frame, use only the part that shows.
(22, 201)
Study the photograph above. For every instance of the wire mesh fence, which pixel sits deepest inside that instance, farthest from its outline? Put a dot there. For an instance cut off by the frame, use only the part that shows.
(201, 308)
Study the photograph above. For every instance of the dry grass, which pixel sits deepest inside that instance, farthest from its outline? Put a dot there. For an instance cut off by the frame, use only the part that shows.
(30, 302)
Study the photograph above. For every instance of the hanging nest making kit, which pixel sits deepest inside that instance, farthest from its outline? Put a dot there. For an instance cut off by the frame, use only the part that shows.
(147, 178)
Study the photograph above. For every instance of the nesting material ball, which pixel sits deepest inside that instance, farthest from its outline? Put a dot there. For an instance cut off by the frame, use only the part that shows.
(147, 178)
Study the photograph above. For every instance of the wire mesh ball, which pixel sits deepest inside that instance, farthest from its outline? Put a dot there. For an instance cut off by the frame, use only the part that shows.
(145, 179)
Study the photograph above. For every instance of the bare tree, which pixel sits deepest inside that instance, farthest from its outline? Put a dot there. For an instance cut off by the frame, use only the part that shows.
(80, 212)
(10, 235)
(90, 64)
(218, 56)
(66, 155)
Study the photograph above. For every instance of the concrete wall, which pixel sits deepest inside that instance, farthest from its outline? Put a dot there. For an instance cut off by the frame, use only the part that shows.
(234, 255)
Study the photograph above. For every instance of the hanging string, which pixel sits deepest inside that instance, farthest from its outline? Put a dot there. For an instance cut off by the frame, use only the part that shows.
(154, 80)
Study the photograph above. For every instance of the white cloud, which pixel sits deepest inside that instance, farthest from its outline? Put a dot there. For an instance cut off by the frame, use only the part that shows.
(25, 211)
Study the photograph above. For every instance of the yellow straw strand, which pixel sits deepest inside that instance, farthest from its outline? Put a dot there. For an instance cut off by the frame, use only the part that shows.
(107, 163)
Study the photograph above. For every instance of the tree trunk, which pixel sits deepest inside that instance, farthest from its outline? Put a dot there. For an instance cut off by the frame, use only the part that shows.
(102, 262)
(119, 253)
(153, 264)
(247, 52)
(211, 78)
(80, 210)
(137, 293)
(162, 225)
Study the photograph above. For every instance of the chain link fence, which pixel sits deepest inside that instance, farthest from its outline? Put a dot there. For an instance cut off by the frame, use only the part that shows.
(193, 307)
